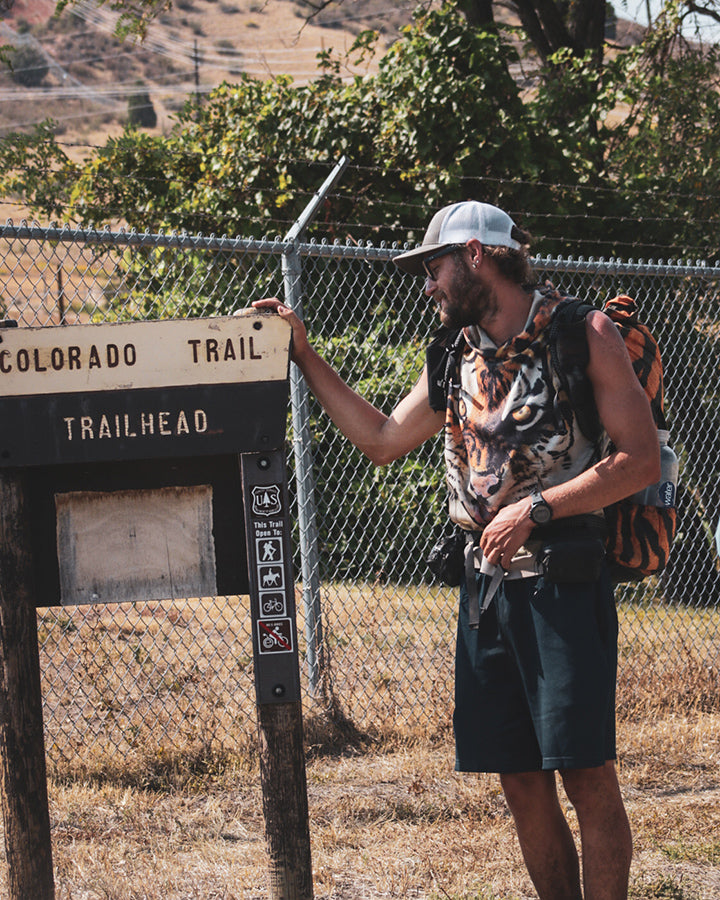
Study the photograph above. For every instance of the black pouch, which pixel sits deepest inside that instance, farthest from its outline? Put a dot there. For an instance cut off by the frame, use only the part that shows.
(572, 560)
(446, 560)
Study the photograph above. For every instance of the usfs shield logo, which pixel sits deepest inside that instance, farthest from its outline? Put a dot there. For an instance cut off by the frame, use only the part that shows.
(266, 500)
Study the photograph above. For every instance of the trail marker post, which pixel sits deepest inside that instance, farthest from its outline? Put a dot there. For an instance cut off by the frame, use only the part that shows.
(163, 444)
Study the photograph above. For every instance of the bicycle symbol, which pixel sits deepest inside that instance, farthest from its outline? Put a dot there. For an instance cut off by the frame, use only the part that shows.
(272, 605)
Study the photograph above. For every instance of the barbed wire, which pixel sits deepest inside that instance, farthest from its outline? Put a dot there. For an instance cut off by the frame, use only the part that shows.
(353, 231)
(550, 227)
(423, 209)
(523, 215)
(514, 182)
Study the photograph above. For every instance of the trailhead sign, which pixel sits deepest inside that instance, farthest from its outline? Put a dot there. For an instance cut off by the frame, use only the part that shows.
(140, 390)
(133, 432)
(145, 461)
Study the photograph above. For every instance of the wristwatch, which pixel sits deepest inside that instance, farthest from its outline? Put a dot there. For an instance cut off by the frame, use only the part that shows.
(540, 509)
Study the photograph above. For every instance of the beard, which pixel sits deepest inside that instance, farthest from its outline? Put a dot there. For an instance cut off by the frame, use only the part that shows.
(467, 300)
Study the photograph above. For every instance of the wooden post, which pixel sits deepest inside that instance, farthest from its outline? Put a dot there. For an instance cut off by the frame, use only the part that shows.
(22, 749)
(282, 773)
(277, 675)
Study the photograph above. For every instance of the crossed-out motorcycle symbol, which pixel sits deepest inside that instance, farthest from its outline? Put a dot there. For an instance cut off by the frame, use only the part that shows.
(273, 636)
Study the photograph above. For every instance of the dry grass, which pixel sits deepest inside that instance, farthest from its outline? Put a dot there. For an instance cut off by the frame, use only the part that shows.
(388, 816)
(390, 821)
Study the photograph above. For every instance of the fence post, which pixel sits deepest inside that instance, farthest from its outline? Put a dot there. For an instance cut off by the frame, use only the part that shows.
(302, 451)
(22, 749)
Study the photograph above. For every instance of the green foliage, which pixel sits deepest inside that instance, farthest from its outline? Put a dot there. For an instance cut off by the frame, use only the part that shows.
(385, 510)
(252, 145)
(446, 114)
(182, 280)
(442, 109)
(693, 851)
(443, 119)
(666, 146)
(660, 888)
(131, 173)
(570, 96)
(35, 167)
(450, 109)
(135, 15)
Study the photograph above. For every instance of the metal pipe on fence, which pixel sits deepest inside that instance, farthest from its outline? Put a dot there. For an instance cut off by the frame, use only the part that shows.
(302, 450)
(305, 487)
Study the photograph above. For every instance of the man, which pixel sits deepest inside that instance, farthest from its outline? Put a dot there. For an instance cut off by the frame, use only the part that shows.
(535, 677)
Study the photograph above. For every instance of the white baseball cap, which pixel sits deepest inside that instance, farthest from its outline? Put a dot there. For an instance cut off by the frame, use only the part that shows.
(457, 224)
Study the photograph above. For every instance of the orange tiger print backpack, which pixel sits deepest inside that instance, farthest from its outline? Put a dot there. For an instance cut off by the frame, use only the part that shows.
(639, 537)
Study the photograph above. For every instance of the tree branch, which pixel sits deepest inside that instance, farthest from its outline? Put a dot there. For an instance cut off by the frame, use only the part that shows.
(700, 9)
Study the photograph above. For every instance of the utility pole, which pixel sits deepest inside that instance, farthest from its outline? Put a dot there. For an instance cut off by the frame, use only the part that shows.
(196, 61)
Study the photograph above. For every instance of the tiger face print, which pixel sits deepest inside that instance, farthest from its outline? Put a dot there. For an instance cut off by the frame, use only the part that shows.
(504, 434)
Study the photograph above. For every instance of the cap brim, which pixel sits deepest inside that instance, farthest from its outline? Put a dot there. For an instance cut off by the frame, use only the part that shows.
(411, 261)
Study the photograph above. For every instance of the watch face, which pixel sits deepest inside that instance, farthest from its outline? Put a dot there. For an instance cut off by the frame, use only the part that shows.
(540, 512)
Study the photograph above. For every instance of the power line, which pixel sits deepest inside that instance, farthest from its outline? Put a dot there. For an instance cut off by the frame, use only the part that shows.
(361, 228)
(178, 50)
(164, 43)
(123, 89)
(373, 172)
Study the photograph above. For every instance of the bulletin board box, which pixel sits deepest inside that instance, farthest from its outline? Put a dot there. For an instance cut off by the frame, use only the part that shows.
(131, 434)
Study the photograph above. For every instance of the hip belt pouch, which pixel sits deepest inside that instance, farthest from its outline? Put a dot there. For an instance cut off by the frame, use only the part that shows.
(572, 550)
(447, 558)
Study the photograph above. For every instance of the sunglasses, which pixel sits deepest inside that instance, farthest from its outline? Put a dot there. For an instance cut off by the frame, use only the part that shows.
(446, 251)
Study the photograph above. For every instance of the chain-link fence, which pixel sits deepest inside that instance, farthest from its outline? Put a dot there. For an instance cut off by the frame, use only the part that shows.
(155, 677)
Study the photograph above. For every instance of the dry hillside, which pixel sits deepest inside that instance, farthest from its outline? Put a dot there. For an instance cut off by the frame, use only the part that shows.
(196, 45)
(92, 76)
(193, 47)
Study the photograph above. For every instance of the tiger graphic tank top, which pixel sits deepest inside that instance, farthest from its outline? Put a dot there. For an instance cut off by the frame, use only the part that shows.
(504, 432)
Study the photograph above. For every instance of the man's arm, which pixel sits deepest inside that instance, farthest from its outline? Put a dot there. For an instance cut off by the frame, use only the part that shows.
(381, 438)
(626, 416)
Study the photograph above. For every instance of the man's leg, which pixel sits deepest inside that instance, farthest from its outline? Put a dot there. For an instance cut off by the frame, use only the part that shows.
(545, 839)
(604, 831)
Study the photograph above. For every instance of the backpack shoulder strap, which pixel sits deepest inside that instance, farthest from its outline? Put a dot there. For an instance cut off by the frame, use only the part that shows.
(443, 357)
(643, 349)
(569, 356)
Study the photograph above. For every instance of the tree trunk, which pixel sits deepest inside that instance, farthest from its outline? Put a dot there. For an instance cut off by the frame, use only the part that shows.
(478, 13)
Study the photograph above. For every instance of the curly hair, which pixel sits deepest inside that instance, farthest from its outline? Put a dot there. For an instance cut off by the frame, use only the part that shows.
(513, 264)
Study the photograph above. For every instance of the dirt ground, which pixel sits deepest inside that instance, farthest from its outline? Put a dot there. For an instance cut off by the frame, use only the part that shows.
(385, 822)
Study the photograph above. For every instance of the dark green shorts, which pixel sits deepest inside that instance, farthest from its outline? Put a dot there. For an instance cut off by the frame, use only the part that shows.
(535, 684)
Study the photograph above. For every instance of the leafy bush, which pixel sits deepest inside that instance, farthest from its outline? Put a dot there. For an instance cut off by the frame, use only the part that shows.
(29, 66)
(141, 112)
(367, 516)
